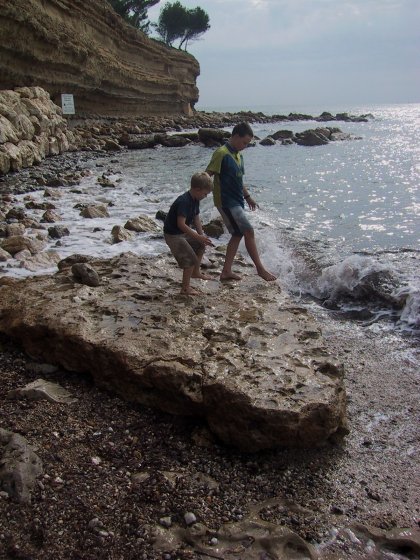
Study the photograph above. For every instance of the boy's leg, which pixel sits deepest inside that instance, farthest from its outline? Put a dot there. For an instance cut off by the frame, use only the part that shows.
(252, 249)
(197, 271)
(186, 277)
(231, 250)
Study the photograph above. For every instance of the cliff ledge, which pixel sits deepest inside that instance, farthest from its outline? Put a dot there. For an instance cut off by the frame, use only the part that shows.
(84, 48)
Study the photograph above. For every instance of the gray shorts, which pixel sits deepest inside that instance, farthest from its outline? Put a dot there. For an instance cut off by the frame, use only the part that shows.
(184, 248)
(235, 220)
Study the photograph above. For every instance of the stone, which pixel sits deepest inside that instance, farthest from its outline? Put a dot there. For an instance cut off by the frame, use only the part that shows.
(40, 389)
(68, 262)
(15, 229)
(19, 466)
(142, 224)
(95, 211)
(18, 243)
(119, 234)
(4, 162)
(85, 274)
(39, 261)
(4, 255)
(250, 369)
(50, 217)
(214, 228)
(268, 141)
(212, 136)
(7, 131)
(310, 138)
(57, 232)
(282, 134)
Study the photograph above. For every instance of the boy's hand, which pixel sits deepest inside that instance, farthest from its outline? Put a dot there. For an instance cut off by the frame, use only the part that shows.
(206, 240)
(251, 203)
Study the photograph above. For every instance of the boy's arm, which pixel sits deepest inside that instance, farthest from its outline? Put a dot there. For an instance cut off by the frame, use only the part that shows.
(203, 239)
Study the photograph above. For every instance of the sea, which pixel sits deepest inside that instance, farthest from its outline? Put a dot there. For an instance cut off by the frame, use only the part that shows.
(339, 223)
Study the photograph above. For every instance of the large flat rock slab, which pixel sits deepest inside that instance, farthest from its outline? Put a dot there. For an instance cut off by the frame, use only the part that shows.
(241, 355)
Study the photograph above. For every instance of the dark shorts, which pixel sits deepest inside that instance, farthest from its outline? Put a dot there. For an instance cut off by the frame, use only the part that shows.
(184, 249)
(235, 220)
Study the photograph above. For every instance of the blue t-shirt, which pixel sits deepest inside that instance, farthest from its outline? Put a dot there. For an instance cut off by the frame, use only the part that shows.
(228, 166)
(185, 205)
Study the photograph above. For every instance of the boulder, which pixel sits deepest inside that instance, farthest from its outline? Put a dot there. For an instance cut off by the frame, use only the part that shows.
(214, 228)
(213, 136)
(142, 224)
(248, 360)
(19, 243)
(39, 261)
(19, 466)
(50, 217)
(96, 211)
(171, 140)
(57, 232)
(282, 134)
(16, 228)
(4, 255)
(85, 274)
(310, 138)
(120, 234)
(268, 141)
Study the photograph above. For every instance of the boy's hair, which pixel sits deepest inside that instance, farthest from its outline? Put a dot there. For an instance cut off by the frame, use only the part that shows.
(201, 180)
(242, 129)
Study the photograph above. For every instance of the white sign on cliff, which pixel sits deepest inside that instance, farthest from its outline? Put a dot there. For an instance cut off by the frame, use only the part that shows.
(67, 103)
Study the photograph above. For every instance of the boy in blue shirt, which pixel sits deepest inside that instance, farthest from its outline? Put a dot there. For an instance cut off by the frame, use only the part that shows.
(229, 194)
(187, 244)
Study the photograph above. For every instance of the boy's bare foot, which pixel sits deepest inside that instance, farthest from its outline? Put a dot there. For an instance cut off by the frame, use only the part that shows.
(202, 276)
(190, 291)
(266, 275)
(230, 276)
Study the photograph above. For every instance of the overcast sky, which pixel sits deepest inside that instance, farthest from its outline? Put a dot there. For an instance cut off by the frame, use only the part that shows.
(307, 52)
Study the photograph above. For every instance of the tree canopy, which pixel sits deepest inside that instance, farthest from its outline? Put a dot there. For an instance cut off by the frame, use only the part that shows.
(177, 22)
(134, 11)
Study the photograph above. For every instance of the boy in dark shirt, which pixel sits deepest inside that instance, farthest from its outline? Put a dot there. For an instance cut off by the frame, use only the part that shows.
(186, 244)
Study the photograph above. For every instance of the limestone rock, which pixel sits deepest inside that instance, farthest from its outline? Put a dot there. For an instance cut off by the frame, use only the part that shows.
(39, 261)
(142, 224)
(120, 234)
(134, 75)
(40, 389)
(310, 138)
(4, 255)
(97, 211)
(50, 217)
(268, 141)
(57, 232)
(18, 243)
(19, 466)
(85, 274)
(15, 229)
(251, 366)
(214, 228)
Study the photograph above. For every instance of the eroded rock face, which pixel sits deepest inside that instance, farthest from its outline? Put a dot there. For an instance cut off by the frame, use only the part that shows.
(85, 48)
(242, 356)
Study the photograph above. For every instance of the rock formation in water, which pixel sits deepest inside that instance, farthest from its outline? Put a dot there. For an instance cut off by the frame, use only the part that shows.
(86, 49)
(244, 357)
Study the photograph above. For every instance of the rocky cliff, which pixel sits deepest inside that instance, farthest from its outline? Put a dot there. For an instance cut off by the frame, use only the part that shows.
(84, 48)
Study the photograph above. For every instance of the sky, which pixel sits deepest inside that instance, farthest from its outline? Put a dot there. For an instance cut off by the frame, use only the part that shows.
(300, 53)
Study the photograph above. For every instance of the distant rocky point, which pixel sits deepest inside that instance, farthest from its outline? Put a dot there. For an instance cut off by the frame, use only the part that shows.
(32, 128)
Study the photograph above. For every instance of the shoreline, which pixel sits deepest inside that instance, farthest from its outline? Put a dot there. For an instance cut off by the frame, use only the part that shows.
(320, 496)
(341, 500)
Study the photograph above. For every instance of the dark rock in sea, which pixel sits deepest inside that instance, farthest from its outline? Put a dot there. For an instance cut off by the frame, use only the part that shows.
(56, 232)
(268, 141)
(310, 138)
